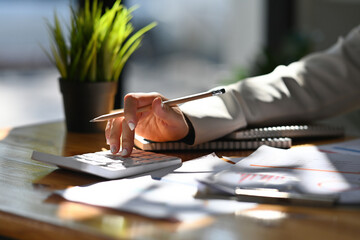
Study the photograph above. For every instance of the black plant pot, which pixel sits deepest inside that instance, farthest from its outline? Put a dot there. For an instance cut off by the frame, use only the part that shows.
(85, 101)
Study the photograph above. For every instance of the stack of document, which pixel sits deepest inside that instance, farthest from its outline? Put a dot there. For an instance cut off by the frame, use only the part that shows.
(163, 194)
(322, 175)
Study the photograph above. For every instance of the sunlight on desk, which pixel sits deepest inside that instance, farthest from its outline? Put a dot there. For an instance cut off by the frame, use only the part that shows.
(4, 133)
(267, 215)
(77, 211)
(28, 208)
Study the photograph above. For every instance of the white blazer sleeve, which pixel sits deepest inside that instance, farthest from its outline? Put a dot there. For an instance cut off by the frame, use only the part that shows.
(320, 85)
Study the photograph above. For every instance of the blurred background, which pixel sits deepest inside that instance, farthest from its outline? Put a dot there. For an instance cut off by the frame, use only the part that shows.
(196, 45)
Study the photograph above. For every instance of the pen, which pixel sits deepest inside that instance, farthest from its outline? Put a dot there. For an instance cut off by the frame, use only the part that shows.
(171, 103)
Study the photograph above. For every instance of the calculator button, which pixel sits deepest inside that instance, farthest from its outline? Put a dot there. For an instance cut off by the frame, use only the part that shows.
(115, 162)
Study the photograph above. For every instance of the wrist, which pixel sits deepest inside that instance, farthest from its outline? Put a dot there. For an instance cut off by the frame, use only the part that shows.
(190, 137)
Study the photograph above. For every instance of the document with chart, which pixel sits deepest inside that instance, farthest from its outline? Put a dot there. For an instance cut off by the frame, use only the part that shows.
(301, 170)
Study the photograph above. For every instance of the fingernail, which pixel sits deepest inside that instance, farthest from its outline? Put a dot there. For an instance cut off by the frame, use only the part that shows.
(124, 152)
(131, 125)
(113, 149)
(162, 104)
(107, 141)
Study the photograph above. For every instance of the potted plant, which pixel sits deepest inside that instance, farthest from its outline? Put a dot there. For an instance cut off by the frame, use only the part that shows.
(91, 58)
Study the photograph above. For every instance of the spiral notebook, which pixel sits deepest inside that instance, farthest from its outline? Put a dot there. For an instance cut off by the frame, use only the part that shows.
(291, 131)
(249, 139)
(220, 144)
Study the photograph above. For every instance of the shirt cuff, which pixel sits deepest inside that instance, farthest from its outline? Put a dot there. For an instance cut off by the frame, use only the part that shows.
(190, 137)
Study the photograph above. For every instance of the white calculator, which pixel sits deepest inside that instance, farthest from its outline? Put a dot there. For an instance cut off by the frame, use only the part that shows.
(107, 165)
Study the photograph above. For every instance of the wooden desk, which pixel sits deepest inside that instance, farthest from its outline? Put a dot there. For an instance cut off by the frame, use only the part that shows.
(28, 210)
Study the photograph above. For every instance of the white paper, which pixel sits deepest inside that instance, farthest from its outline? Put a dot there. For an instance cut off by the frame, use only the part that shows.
(346, 147)
(302, 169)
(196, 169)
(170, 197)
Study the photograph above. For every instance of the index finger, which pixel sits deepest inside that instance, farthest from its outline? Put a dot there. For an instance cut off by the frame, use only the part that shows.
(133, 101)
(130, 108)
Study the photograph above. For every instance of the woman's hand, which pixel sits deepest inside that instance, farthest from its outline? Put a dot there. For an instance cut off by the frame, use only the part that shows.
(161, 123)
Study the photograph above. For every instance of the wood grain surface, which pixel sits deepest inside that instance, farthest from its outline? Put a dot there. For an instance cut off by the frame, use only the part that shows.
(29, 210)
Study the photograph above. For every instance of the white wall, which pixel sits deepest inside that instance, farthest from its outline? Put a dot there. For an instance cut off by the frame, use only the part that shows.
(228, 31)
(23, 30)
(246, 34)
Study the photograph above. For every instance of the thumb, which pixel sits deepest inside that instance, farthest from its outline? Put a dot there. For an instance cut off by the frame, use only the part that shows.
(166, 112)
(160, 109)
(172, 118)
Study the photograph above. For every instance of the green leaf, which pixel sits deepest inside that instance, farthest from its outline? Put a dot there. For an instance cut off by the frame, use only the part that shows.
(123, 59)
(99, 44)
(135, 37)
(59, 63)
